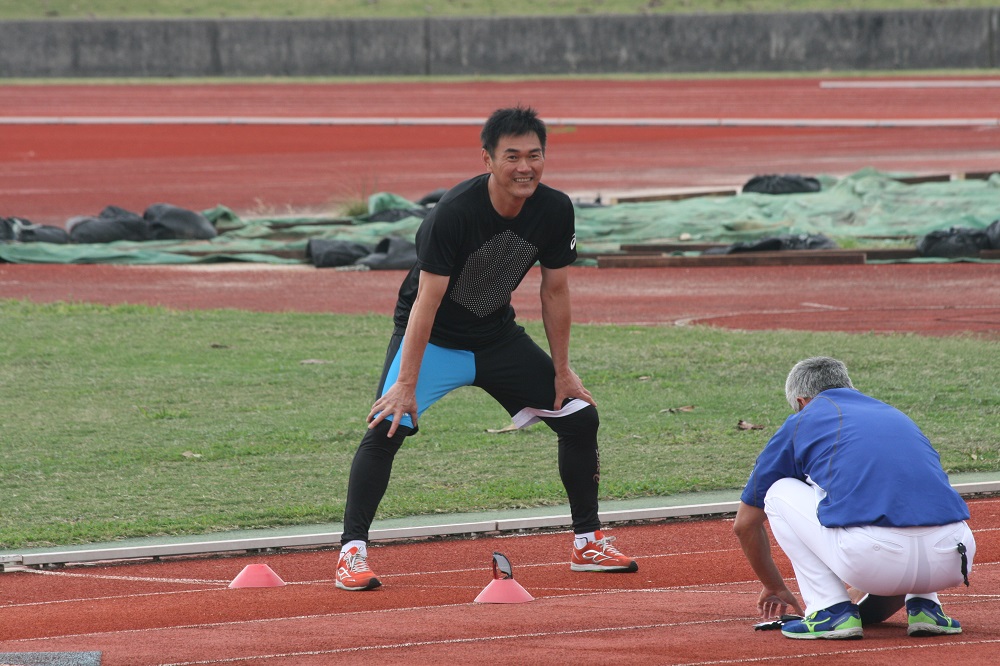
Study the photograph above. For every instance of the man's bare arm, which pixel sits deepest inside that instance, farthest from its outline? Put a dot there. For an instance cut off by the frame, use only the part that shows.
(557, 319)
(401, 398)
(775, 598)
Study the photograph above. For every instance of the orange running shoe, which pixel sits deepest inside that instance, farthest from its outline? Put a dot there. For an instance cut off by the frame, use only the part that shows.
(353, 573)
(600, 555)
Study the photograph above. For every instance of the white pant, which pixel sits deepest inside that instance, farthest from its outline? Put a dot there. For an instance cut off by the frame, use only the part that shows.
(917, 561)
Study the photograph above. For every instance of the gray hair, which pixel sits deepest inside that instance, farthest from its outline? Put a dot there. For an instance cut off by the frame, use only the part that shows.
(810, 377)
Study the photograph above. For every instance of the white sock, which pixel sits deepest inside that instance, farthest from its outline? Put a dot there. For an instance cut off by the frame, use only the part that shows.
(360, 545)
(581, 540)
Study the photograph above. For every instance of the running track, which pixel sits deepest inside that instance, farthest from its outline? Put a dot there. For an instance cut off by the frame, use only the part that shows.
(691, 602)
(693, 598)
(68, 150)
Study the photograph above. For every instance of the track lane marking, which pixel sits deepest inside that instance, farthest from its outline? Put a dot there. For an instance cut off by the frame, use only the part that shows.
(442, 121)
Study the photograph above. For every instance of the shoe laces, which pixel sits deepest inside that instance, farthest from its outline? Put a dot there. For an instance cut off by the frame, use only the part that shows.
(356, 563)
(606, 547)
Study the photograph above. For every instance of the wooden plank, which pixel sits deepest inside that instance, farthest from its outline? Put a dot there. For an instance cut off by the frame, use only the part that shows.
(886, 253)
(660, 248)
(781, 258)
(916, 180)
(978, 175)
(880, 254)
(801, 253)
(284, 254)
(674, 195)
(310, 222)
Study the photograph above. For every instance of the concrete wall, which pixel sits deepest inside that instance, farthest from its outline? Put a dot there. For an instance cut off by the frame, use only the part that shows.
(855, 40)
(211, 48)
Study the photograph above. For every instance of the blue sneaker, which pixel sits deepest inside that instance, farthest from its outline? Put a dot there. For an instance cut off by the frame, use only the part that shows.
(925, 618)
(837, 622)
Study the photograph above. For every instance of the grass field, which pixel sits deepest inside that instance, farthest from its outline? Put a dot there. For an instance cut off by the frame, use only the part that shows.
(134, 421)
(17, 9)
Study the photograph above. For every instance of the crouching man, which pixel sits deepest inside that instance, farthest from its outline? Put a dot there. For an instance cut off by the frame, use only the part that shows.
(856, 496)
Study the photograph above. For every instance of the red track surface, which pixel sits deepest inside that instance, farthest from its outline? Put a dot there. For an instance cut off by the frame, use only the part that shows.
(51, 172)
(692, 602)
(931, 299)
(693, 598)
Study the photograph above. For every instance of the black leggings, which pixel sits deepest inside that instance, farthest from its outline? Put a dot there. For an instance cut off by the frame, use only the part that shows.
(518, 374)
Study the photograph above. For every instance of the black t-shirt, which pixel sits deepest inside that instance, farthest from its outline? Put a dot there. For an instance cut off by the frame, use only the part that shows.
(486, 257)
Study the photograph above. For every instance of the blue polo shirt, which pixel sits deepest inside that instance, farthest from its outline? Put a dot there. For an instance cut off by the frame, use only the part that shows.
(874, 463)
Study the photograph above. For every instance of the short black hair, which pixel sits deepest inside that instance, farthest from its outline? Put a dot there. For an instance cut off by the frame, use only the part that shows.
(515, 121)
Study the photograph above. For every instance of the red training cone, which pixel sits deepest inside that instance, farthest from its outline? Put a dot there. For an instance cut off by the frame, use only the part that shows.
(257, 575)
(504, 591)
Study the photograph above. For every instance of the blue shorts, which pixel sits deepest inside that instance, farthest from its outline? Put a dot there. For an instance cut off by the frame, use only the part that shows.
(516, 372)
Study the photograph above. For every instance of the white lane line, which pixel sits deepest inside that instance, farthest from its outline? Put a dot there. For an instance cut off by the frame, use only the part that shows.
(914, 83)
(88, 600)
(823, 656)
(694, 320)
(699, 588)
(823, 306)
(345, 614)
(138, 579)
(555, 564)
(457, 121)
(454, 641)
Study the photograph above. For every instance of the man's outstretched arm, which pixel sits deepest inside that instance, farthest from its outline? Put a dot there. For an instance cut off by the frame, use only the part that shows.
(401, 397)
(775, 598)
(557, 319)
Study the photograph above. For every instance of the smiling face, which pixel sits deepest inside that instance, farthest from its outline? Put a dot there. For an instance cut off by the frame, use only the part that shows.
(515, 168)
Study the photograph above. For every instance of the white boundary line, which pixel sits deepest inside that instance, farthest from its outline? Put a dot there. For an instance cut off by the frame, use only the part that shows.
(772, 658)
(458, 121)
(935, 83)
(727, 588)
(333, 538)
(812, 308)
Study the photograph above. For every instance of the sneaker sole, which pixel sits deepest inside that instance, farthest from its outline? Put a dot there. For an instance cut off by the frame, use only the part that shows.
(372, 584)
(923, 629)
(632, 567)
(836, 635)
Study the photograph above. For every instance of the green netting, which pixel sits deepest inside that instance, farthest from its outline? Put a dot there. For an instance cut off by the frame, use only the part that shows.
(865, 205)
(153, 252)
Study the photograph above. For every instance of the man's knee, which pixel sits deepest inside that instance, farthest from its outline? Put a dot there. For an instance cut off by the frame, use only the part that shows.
(377, 439)
(789, 496)
(581, 423)
(785, 488)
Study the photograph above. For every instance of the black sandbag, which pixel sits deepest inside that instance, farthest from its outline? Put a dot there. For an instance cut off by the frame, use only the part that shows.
(44, 233)
(327, 253)
(782, 184)
(112, 224)
(391, 254)
(993, 235)
(777, 243)
(169, 222)
(10, 228)
(20, 230)
(953, 242)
